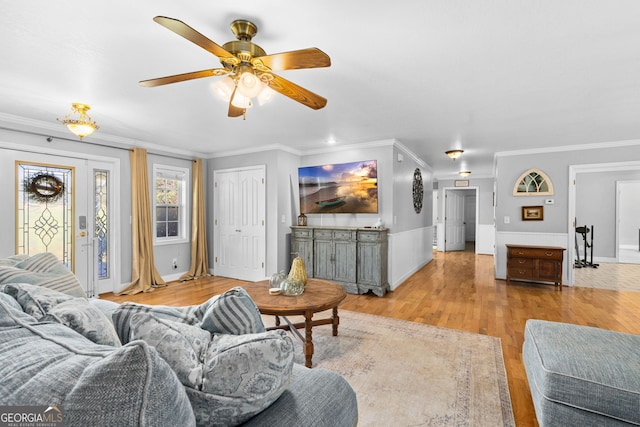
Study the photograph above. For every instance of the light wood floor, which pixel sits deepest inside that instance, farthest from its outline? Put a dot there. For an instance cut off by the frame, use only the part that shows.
(458, 290)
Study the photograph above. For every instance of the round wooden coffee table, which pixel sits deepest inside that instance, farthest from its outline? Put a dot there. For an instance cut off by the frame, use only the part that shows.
(318, 295)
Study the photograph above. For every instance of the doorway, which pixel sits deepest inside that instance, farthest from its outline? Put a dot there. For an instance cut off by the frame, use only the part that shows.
(239, 231)
(460, 219)
(600, 183)
(56, 210)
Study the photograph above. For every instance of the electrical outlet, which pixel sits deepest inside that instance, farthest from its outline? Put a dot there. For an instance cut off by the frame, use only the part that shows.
(174, 263)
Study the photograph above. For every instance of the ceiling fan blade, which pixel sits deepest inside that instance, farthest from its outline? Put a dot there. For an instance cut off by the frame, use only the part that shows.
(233, 110)
(182, 77)
(182, 29)
(304, 58)
(297, 93)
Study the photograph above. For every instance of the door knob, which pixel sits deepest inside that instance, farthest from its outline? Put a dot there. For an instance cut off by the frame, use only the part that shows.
(83, 234)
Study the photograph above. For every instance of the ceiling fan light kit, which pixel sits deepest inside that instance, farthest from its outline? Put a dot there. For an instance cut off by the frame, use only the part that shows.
(248, 70)
(78, 121)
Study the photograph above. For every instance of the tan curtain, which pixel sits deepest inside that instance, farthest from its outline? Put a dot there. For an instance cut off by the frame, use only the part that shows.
(199, 253)
(144, 276)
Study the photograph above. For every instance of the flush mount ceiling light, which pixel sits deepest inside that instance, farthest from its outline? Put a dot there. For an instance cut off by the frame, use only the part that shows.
(454, 154)
(464, 173)
(78, 121)
(248, 70)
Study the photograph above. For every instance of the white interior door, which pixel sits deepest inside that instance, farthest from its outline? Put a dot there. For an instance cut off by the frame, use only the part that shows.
(628, 222)
(239, 223)
(454, 239)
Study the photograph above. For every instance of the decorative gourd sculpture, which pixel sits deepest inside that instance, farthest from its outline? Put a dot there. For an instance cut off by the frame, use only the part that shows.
(298, 271)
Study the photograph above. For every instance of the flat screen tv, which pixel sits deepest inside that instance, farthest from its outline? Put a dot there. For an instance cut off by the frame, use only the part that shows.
(339, 188)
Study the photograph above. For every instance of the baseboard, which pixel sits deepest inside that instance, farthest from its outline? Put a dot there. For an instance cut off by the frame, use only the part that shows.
(408, 274)
(172, 277)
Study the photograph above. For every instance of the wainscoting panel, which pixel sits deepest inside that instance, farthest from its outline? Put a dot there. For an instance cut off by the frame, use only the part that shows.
(485, 244)
(408, 252)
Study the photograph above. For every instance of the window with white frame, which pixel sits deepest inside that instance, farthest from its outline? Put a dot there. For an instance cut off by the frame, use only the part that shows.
(170, 189)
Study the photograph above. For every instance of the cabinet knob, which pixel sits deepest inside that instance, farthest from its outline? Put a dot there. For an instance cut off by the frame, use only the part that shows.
(520, 252)
(521, 261)
(549, 253)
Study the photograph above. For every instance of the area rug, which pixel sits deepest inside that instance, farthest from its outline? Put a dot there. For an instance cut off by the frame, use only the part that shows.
(412, 374)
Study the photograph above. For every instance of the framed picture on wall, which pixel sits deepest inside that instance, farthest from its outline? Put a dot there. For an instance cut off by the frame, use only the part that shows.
(533, 213)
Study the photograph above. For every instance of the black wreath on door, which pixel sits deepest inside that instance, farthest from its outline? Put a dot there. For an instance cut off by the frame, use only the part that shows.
(418, 191)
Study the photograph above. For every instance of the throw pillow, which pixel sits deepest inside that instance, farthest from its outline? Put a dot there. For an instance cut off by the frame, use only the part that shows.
(36, 301)
(76, 313)
(85, 319)
(122, 316)
(7, 299)
(228, 378)
(43, 269)
(233, 312)
(182, 346)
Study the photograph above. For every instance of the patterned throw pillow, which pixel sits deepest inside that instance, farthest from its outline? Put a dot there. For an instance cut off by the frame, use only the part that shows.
(76, 313)
(232, 312)
(228, 378)
(121, 317)
(86, 320)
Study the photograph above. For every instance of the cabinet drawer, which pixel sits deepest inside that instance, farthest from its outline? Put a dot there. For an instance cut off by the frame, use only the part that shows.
(535, 253)
(521, 263)
(520, 273)
(370, 236)
(298, 232)
(323, 234)
(343, 234)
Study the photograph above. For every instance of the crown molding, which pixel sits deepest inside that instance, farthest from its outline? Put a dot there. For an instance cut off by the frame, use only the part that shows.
(347, 147)
(253, 150)
(27, 125)
(411, 154)
(581, 147)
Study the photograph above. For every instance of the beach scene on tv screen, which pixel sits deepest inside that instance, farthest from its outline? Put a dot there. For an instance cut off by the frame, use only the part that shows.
(339, 188)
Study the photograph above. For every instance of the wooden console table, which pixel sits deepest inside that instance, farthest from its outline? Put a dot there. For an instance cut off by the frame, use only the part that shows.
(535, 263)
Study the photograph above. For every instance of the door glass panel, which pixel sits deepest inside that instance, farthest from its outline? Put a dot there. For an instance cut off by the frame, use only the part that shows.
(101, 221)
(44, 197)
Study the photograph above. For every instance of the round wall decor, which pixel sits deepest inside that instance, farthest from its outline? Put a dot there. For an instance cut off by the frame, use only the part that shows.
(418, 190)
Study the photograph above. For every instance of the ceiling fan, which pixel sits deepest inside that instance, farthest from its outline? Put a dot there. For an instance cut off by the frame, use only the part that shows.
(247, 67)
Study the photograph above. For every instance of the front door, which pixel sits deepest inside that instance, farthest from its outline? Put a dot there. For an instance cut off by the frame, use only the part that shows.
(52, 211)
(239, 223)
(66, 206)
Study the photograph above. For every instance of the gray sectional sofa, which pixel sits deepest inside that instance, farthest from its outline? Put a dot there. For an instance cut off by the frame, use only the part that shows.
(103, 364)
(582, 376)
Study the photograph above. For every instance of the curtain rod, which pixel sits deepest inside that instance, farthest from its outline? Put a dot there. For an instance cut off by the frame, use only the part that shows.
(50, 138)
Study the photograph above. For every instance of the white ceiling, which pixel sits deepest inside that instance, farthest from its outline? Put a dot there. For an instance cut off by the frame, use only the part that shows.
(481, 75)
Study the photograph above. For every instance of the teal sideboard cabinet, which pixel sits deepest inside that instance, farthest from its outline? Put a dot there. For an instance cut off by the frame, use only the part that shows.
(354, 257)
